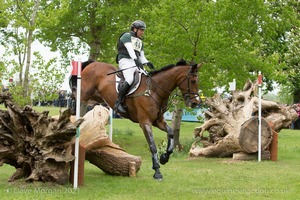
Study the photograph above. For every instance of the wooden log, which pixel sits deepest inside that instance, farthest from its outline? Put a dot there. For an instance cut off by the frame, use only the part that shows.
(114, 161)
(100, 151)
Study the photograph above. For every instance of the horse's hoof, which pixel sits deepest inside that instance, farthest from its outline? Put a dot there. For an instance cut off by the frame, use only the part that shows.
(164, 158)
(158, 176)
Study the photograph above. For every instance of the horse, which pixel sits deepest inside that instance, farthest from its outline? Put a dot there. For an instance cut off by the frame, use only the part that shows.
(149, 102)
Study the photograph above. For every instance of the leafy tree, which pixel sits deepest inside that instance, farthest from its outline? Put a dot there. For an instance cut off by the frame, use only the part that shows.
(2, 70)
(233, 39)
(94, 26)
(18, 34)
(290, 78)
(46, 77)
(291, 75)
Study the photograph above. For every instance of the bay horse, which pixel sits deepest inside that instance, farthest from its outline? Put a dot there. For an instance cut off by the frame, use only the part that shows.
(148, 103)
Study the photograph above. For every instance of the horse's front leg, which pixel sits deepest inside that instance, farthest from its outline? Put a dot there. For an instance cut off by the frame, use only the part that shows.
(164, 158)
(149, 137)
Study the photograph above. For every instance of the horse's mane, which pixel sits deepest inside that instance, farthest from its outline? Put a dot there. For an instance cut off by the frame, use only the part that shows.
(179, 63)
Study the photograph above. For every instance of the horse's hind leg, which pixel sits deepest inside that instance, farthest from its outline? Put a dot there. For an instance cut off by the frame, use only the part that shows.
(155, 164)
(164, 158)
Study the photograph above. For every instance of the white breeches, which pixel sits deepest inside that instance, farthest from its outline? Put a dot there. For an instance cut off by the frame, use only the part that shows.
(127, 64)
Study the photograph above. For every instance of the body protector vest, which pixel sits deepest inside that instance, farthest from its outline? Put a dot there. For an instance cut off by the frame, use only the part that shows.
(137, 45)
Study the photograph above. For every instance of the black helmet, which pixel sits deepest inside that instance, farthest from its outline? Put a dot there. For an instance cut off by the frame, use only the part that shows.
(138, 24)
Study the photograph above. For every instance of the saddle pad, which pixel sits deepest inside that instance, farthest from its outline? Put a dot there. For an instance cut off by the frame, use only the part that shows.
(135, 84)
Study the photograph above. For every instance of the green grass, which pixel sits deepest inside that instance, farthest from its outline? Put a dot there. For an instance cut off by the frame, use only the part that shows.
(184, 178)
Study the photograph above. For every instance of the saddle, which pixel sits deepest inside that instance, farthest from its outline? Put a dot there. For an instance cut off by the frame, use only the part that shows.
(136, 81)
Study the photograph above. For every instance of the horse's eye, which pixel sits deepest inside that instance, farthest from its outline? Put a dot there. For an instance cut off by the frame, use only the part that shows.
(193, 82)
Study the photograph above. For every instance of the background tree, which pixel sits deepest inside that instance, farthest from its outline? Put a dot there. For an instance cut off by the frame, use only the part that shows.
(45, 78)
(233, 39)
(94, 26)
(17, 36)
(291, 76)
(290, 91)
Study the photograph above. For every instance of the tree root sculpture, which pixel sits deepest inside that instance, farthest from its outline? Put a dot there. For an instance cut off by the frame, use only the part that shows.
(38, 146)
(232, 124)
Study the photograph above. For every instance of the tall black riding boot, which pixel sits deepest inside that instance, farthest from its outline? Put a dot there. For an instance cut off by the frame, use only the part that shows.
(119, 107)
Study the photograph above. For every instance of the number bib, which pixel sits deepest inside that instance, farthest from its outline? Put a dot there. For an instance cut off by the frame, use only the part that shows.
(137, 44)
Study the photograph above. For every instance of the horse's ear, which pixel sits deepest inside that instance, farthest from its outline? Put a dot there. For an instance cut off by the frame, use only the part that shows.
(194, 68)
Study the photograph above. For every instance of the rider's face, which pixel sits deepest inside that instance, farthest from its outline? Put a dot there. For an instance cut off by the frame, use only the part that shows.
(139, 32)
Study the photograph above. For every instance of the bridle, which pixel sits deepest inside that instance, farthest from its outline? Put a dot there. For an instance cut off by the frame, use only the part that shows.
(187, 95)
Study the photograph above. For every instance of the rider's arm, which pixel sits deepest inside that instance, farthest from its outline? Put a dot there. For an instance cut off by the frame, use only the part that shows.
(130, 50)
(143, 59)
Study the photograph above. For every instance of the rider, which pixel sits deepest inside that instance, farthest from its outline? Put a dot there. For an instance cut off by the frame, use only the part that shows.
(130, 58)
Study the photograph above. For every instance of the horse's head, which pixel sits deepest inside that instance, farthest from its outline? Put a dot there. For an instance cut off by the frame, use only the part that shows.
(189, 87)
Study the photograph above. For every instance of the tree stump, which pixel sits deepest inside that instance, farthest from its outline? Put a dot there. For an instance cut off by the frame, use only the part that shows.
(100, 151)
(38, 146)
(231, 125)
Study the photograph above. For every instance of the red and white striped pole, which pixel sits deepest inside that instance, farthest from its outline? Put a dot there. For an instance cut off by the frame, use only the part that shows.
(77, 71)
(259, 81)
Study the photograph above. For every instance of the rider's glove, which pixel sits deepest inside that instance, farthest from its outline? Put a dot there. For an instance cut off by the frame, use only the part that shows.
(138, 63)
(150, 65)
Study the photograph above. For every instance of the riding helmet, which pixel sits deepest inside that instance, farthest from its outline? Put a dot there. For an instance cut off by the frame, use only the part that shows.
(138, 24)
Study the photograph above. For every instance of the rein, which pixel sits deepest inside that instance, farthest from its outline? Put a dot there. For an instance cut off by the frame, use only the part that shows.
(186, 96)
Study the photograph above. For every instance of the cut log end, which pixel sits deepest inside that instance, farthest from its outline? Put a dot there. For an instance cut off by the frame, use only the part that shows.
(248, 138)
(132, 169)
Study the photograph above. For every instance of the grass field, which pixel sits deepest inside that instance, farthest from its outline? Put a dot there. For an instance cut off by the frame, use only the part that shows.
(184, 178)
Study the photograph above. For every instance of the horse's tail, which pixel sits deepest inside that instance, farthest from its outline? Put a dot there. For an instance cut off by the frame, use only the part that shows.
(73, 78)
